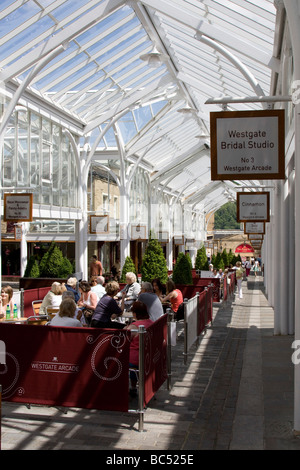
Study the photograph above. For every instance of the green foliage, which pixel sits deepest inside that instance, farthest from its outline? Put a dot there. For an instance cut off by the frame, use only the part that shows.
(225, 257)
(201, 262)
(32, 268)
(219, 263)
(128, 267)
(154, 263)
(53, 263)
(66, 268)
(230, 256)
(182, 273)
(225, 217)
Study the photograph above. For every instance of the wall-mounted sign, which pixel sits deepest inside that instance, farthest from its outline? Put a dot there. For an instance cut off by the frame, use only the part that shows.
(255, 227)
(247, 145)
(138, 232)
(99, 224)
(17, 207)
(18, 233)
(178, 239)
(253, 207)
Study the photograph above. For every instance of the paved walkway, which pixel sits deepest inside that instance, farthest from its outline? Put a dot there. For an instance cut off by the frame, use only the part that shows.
(235, 392)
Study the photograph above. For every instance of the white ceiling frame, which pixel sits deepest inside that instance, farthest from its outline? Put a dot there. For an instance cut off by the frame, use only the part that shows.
(72, 54)
(66, 35)
(210, 31)
(41, 14)
(175, 167)
(161, 82)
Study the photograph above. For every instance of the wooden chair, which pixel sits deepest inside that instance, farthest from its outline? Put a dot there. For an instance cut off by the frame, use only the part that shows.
(37, 320)
(52, 311)
(36, 305)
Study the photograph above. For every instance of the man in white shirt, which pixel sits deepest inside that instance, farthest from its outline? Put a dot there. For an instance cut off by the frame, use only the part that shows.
(99, 289)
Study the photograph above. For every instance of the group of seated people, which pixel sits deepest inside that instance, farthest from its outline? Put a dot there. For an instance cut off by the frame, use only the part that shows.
(91, 304)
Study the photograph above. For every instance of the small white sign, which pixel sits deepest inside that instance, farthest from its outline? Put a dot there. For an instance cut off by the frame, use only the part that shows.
(254, 227)
(253, 207)
(17, 207)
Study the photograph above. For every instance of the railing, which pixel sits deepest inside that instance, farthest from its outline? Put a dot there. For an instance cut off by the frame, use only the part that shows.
(197, 316)
(58, 366)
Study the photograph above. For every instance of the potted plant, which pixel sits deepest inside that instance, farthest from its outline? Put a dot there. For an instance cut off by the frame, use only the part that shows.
(154, 264)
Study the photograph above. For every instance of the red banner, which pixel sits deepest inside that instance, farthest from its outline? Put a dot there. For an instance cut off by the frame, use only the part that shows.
(79, 367)
(155, 353)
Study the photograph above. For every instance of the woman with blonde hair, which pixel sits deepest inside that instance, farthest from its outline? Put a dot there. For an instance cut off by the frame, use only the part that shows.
(53, 298)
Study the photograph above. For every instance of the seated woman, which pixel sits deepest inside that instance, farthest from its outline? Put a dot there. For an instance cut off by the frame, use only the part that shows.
(132, 290)
(158, 288)
(108, 309)
(174, 296)
(65, 316)
(141, 317)
(87, 302)
(6, 299)
(53, 298)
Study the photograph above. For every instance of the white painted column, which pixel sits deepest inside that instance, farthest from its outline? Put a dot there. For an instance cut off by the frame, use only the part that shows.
(292, 10)
(283, 260)
(276, 256)
(291, 255)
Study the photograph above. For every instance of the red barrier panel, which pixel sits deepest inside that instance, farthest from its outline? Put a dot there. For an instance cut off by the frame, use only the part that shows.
(33, 294)
(155, 357)
(79, 367)
(202, 309)
(205, 282)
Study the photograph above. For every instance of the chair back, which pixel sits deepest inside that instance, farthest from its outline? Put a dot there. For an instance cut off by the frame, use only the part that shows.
(36, 305)
(52, 311)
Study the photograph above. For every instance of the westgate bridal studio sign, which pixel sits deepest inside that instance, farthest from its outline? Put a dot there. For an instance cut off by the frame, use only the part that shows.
(247, 145)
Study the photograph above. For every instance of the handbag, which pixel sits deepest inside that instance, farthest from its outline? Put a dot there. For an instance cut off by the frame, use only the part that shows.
(88, 313)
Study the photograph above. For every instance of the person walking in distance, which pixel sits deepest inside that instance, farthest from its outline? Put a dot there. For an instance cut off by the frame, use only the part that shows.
(239, 273)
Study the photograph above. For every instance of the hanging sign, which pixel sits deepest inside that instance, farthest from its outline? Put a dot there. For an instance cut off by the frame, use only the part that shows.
(247, 145)
(255, 237)
(253, 207)
(254, 227)
(18, 207)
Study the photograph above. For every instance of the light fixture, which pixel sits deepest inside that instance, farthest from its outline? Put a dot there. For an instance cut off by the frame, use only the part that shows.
(187, 109)
(153, 58)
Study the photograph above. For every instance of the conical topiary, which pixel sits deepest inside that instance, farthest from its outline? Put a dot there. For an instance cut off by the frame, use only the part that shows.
(182, 273)
(52, 262)
(154, 264)
(128, 267)
(201, 262)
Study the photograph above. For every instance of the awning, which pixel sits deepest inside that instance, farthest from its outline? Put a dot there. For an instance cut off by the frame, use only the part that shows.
(244, 248)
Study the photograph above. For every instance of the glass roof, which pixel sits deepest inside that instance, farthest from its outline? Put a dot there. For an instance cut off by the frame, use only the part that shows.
(84, 59)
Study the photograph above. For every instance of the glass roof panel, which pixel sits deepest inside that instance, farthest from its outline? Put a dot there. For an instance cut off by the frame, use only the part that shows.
(209, 48)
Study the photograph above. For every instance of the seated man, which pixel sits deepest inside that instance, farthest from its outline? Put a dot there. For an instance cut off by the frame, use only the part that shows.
(153, 303)
(131, 290)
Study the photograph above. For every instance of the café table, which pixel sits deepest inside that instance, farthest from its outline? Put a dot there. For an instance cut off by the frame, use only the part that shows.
(21, 320)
